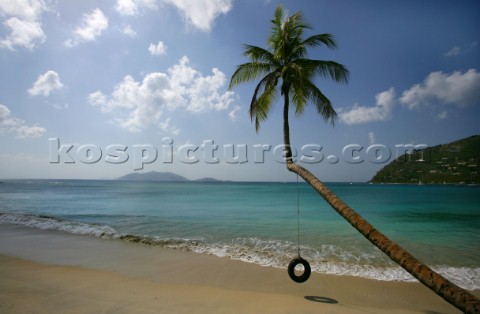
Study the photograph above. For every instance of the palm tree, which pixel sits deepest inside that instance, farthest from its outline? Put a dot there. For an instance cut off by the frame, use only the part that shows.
(284, 69)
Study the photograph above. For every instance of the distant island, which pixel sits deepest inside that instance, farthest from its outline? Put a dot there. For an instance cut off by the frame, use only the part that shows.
(453, 163)
(162, 177)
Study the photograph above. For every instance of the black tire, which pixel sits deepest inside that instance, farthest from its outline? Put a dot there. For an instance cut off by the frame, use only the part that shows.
(306, 273)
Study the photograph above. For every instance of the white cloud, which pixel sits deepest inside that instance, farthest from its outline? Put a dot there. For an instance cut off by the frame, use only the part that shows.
(385, 102)
(45, 84)
(459, 89)
(25, 9)
(29, 131)
(438, 89)
(442, 115)
(201, 13)
(128, 30)
(9, 124)
(126, 7)
(92, 26)
(99, 99)
(136, 105)
(22, 18)
(158, 49)
(204, 93)
(133, 7)
(4, 114)
(167, 128)
(455, 51)
(233, 114)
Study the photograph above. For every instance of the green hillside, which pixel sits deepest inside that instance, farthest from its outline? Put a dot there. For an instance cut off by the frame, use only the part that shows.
(455, 162)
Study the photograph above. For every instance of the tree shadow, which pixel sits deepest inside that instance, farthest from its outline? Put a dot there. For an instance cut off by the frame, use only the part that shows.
(321, 299)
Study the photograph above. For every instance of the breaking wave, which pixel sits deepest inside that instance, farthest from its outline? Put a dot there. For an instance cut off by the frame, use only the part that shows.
(52, 223)
(328, 259)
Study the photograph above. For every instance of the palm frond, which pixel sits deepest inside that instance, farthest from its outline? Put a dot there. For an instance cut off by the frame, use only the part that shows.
(319, 39)
(300, 99)
(336, 71)
(248, 72)
(322, 103)
(258, 54)
(264, 96)
(279, 16)
(296, 24)
(297, 78)
(264, 102)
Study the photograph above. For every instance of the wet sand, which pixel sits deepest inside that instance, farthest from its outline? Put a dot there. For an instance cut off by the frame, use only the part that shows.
(54, 272)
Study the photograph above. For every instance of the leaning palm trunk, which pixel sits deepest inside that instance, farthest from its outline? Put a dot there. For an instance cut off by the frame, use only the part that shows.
(285, 63)
(452, 293)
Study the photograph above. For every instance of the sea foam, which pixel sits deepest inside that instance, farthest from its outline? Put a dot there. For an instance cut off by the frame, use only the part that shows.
(328, 259)
(52, 223)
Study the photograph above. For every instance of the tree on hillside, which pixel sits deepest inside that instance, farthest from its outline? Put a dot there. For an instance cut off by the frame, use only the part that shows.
(284, 70)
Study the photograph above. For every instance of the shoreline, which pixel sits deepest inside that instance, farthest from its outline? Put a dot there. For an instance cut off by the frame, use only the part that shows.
(253, 250)
(56, 272)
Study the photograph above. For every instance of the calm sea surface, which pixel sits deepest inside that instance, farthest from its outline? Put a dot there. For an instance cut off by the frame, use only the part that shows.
(257, 222)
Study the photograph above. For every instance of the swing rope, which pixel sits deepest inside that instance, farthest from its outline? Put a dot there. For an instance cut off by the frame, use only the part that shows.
(298, 218)
(299, 260)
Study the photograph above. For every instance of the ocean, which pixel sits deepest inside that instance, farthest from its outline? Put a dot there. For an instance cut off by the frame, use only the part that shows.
(256, 222)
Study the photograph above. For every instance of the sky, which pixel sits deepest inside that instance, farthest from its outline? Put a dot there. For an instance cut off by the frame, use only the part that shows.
(99, 89)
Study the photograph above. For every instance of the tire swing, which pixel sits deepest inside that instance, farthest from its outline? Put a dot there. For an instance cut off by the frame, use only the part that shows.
(299, 260)
(306, 272)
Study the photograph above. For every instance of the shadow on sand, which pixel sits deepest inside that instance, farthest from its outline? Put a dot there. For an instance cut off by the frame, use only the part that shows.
(321, 299)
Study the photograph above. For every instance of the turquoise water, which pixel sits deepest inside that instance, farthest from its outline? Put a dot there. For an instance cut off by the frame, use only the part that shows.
(257, 222)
